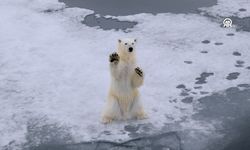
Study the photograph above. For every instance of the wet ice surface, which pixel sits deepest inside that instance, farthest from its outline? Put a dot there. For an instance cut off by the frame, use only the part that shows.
(203, 76)
(130, 7)
(242, 23)
(54, 79)
(228, 110)
(119, 8)
(233, 75)
(231, 109)
(106, 23)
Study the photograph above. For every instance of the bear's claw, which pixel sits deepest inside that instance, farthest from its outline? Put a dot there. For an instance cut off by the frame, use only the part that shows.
(114, 57)
(142, 116)
(139, 71)
(106, 120)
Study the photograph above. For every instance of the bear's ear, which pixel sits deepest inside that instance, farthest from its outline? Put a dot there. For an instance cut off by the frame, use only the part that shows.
(119, 40)
(135, 40)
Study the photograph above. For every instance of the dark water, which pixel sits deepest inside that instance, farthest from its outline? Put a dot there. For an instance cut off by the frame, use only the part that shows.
(130, 7)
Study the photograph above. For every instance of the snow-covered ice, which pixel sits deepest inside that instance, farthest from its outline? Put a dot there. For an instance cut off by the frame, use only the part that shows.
(54, 67)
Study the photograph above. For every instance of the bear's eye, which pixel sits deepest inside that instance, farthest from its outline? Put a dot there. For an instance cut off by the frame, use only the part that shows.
(132, 43)
(126, 43)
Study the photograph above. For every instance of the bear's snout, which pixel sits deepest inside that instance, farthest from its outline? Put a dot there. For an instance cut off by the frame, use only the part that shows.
(130, 49)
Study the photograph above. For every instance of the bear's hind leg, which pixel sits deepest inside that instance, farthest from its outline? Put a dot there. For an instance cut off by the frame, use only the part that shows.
(137, 110)
(112, 111)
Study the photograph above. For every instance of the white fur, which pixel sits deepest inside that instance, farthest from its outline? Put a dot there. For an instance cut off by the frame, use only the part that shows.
(123, 99)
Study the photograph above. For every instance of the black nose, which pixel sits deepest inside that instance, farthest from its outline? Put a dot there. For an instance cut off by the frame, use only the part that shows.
(130, 49)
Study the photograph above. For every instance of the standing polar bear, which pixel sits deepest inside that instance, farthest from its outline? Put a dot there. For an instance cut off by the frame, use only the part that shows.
(123, 99)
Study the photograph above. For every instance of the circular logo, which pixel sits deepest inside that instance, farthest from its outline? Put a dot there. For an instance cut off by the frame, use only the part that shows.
(227, 22)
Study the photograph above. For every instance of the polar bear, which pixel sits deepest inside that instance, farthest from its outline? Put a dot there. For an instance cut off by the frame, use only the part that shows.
(126, 77)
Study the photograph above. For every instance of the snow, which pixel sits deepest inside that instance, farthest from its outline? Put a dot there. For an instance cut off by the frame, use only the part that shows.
(53, 66)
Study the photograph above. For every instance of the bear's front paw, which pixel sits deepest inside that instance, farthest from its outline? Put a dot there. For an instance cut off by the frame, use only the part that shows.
(114, 57)
(139, 71)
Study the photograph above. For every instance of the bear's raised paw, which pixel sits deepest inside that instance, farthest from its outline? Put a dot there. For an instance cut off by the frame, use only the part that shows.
(114, 57)
(139, 71)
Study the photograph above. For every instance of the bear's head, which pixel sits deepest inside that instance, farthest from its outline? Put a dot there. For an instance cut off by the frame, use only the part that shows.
(126, 47)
